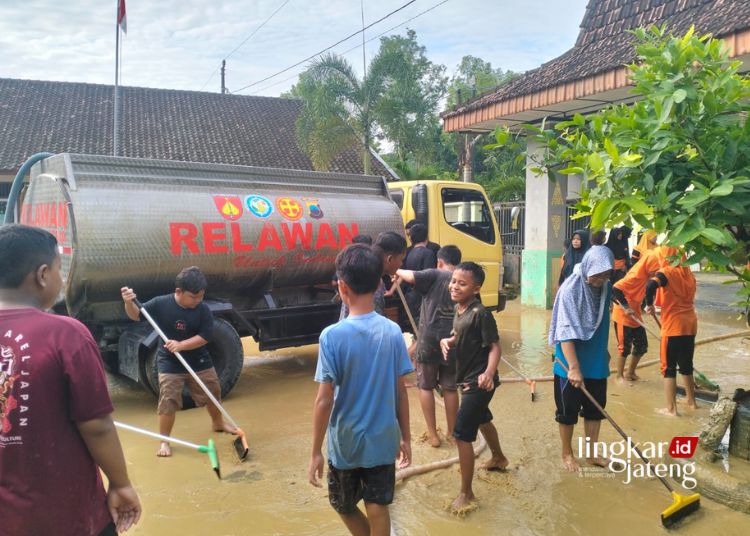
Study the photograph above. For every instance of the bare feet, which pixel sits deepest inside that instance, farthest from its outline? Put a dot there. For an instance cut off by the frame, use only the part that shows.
(693, 405)
(462, 502)
(221, 426)
(632, 377)
(496, 464)
(598, 461)
(450, 439)
(620, 380)
(165, 451)
(571, 464)
(666, 412)
(434, 441)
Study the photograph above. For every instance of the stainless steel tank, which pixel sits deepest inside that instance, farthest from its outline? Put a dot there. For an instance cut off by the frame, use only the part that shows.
(138, 222)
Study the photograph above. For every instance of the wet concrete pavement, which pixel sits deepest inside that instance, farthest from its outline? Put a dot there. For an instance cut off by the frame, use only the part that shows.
(269, 494)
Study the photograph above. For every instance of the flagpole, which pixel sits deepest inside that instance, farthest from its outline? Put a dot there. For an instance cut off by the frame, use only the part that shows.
(116, 133)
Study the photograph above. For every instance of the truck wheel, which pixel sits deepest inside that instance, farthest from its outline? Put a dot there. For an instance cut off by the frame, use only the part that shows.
(226, 354)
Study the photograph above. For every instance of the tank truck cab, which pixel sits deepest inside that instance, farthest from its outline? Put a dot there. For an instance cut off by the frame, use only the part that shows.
(457, 213)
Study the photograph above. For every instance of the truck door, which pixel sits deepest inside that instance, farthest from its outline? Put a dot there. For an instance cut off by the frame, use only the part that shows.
(465, 220)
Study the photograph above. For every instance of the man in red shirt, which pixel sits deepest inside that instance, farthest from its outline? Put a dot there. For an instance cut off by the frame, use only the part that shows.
(54, 404)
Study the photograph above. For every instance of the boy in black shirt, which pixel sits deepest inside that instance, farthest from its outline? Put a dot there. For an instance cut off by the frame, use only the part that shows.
(477, 355)
(189, 324)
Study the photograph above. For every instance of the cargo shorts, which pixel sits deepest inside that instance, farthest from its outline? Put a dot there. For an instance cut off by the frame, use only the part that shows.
(171, 386)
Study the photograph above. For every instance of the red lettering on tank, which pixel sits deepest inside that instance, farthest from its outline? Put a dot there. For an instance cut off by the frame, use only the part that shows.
(52, 216)
(345, 237)
(296, 234)
(237, 245)
(326, 237)
(213, 233)
(183, 234)
(269, 238)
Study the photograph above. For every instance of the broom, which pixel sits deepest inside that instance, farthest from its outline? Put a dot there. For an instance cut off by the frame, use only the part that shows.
(240, 443)
(530, 383)
(210, 449)
(682, 505)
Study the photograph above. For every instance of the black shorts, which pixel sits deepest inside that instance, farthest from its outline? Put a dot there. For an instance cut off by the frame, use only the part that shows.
(680, 350)
(631, 340)
(346, 487)
(473, 412)
(571, 402)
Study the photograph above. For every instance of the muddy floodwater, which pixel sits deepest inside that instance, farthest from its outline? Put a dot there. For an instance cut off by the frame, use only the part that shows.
(269, 493)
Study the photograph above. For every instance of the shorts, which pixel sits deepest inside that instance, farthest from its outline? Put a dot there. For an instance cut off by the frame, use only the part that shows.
(677, 351)
(631, 340)
(473, 412)
(346, 487)
(171, 385)
(571, 402)
(429, 375)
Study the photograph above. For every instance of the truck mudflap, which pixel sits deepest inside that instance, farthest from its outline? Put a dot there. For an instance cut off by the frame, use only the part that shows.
(502, 299)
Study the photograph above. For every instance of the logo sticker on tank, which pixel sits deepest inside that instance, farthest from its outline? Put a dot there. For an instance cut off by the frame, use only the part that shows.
(290, 208)
(229, 206)
(258, 206)
(313, 208)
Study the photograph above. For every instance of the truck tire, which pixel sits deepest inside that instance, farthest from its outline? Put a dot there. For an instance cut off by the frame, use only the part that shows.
(226, 353)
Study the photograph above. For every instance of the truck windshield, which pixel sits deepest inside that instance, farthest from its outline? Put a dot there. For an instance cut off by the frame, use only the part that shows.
(467, 211)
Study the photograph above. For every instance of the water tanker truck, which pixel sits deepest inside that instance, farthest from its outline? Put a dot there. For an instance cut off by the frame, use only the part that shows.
(265, 238)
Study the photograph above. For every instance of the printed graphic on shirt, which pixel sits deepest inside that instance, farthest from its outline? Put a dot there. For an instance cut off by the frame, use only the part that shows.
(14, 386)
(180, 325)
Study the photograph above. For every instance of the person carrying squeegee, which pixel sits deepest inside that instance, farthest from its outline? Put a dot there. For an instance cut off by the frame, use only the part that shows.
(188, 324)
(435, 323)
(679, 326)
(579, 331)
(628, 293)
(57, 428)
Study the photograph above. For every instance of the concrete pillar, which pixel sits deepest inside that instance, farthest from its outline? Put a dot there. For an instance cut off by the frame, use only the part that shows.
(543, 240)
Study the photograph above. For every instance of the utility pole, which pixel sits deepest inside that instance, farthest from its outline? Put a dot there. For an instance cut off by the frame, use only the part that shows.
(223, 72)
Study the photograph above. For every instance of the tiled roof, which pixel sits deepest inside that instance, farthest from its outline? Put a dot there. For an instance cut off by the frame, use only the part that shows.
(604, 43)
(156, 123)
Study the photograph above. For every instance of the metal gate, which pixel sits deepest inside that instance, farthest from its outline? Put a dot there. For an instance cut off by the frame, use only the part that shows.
(572, 225)
(511, 218)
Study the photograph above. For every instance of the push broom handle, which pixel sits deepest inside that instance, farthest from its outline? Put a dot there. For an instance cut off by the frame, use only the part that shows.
(185, 364)
(616, 427)
(159, 436)
(406, 307)
(514, 369)
(638, 321)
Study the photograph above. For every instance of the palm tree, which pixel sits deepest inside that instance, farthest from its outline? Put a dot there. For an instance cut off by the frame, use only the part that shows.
(339, 108)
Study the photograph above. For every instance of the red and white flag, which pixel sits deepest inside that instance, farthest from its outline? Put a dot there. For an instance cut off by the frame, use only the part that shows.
(122, 19)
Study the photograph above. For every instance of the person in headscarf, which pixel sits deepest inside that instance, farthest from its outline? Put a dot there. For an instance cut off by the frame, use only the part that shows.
(628, 294)
(679, 325)
(579, 245)
(579, 331)
(646, 243)
(618, 244)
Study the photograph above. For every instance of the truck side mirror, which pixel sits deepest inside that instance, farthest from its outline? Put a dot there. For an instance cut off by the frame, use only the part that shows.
(419, 203)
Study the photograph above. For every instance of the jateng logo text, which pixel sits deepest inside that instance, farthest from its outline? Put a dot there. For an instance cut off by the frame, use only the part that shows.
(624, 460)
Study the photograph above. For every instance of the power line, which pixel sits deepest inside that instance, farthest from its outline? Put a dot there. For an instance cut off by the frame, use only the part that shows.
(356, 47)
(245, 41)
(327, 48)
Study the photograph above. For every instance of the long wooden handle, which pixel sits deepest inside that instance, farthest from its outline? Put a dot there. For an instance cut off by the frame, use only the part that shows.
(406, 307)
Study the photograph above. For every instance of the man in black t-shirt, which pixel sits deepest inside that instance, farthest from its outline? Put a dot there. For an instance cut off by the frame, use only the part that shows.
(419, 257)
(477, 347)
(188, 324)
(435, 323)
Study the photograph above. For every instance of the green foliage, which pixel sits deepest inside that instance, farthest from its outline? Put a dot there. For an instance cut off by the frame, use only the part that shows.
(473, 77)
(397, 98)
(678, 160)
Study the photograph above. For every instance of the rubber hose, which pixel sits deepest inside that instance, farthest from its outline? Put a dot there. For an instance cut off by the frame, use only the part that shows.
(15, 189)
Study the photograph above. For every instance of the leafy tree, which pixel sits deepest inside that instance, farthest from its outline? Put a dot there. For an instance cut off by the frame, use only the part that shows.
(475, 76)
(678, 160)
(397, 97)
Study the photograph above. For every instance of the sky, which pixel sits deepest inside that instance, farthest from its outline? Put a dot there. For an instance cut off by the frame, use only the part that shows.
(179, 44)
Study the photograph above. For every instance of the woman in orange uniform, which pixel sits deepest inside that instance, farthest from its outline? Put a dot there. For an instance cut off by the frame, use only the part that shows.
(679, 325)
(628, 293)
(646, 243)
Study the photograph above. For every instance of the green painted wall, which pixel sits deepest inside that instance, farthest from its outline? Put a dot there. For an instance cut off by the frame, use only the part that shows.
(539, 272)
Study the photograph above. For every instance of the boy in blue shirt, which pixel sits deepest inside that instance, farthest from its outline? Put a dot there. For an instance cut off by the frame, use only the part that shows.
(361, 400)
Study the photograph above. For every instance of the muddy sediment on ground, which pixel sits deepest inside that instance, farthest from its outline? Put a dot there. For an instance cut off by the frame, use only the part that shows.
(269, 494)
